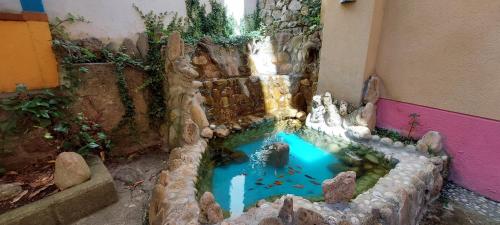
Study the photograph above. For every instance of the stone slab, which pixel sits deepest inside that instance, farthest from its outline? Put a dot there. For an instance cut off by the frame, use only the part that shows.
(68, 205)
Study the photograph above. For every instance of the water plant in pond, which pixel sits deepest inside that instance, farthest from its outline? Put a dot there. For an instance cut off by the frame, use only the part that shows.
(239, 184)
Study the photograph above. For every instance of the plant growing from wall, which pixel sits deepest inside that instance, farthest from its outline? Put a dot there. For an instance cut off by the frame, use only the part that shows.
(120, 61)
(310, 16)
(154, 64)
(414, 123)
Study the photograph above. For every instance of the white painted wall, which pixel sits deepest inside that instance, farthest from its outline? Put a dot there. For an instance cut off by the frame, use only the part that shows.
(10, 6)
(114, 20)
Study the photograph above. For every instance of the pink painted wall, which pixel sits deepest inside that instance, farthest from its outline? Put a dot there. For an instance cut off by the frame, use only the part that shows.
(472, 142)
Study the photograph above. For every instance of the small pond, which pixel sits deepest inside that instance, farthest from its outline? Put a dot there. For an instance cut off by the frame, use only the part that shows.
(239, 178)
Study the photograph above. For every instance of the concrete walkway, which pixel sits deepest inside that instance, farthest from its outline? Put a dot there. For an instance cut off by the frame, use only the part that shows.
(134, 180)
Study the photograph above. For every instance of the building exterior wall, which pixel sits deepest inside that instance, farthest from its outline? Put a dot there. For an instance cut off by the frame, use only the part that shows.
(114, 20)
(443, 54)
(348, 54)
(438, 59)
(26, 56)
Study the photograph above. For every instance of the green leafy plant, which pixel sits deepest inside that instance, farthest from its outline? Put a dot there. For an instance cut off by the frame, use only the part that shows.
(81, 135)
(311, 17)
(58, 28)
(26, 110)
(154, 64)
(395, 136)
(122, 60)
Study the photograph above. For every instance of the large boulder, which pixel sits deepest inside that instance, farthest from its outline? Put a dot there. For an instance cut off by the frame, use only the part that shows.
(276, 154)
(143, 45)
(210, 211)
(372, 90)
(431, 141)
(128, 47)
(367, 116)
(341, 188)
(70, 170)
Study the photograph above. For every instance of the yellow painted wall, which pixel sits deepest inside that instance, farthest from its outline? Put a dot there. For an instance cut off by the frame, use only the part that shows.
(443, 54)
(348, 54)
(26, 56)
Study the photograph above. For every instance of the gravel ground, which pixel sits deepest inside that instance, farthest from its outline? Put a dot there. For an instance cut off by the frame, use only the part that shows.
(459, 206)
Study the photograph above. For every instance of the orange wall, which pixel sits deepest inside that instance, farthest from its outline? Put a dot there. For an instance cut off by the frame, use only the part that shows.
(26, 56)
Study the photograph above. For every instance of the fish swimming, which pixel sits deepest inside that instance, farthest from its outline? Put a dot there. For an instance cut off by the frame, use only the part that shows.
(314, 182)
(300, 186)
(259, 183)
(309, 177)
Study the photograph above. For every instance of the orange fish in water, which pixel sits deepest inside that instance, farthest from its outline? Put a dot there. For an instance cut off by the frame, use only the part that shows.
(300, 186)
(278, 182)
(281, 176)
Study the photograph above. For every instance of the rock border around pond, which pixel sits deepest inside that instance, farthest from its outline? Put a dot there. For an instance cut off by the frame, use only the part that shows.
(399, 198)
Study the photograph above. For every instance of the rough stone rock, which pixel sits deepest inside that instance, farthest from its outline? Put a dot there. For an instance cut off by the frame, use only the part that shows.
(198, 114)
(191, 132)
(175, 47)
(128, 47)
(70, 170)
(295, 5)
(433, 140)
(398, 144)
(142, 45)
(156, 210)
(332, 116)
(372, 90)
(341, 188)
(9, 191)
(367, 116)
(200, 60)
(317, 110)
(438, 184)
(211, 212)
(276, 154)
(270, 221)
(207, 133)
(422, 147)
(359, 132)
(286, 211)
(301, 115)
(308, 217)
(222, 131)
(343, 108)
(386, 141)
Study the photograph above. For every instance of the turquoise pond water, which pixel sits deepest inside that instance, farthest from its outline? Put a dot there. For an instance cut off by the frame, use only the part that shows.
(237, 186)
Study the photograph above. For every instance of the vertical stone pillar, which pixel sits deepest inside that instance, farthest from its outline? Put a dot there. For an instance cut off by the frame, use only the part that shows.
(350, 39)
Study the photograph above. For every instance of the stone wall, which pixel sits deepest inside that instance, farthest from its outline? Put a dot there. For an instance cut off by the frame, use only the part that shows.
(99, 99)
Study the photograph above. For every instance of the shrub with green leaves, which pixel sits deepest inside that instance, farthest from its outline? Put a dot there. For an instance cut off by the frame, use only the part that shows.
(81, 135)
(25, 110)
